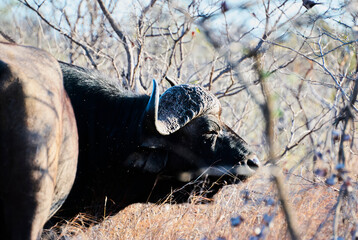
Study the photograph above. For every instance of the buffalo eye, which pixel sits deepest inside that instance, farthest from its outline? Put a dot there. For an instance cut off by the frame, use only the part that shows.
(210, 138)
(210, 133)
(211, 128)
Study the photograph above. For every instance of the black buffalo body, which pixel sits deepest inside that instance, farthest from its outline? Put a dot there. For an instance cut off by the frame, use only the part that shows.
(127, 140)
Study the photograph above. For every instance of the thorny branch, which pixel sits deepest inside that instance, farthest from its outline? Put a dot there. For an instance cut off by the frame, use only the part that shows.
(269, 134)
(85, 48)
(127, 43)
(322, 65)
(345, 116)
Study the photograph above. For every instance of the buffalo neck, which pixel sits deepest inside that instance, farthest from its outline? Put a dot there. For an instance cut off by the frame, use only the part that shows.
(108, 117)
(109, 126)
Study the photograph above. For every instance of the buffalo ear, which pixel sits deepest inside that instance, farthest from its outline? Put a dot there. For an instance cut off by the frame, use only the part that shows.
(148, 160)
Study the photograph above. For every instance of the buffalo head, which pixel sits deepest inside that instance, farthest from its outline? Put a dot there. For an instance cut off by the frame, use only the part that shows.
(183, 135)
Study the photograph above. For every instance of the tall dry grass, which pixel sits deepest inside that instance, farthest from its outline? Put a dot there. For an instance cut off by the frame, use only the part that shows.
(248, 210)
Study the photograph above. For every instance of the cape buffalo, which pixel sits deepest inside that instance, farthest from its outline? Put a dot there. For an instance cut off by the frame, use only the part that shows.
(179, 134)
(38, 141)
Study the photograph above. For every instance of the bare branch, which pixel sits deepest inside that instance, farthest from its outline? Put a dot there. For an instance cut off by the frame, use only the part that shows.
(126, 42)
(88, 54)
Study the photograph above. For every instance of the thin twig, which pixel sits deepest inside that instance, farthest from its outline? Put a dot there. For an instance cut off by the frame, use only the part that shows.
(126, 42)
(88, 54)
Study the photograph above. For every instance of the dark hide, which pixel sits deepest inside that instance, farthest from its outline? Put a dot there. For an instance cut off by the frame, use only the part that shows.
(38, 141)
(129, 141)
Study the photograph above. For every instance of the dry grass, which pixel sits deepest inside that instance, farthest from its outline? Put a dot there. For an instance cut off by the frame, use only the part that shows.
(254, 200)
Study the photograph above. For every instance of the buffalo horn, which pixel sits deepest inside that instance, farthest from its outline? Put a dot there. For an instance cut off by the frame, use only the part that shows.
(151, 112)
(171, 81)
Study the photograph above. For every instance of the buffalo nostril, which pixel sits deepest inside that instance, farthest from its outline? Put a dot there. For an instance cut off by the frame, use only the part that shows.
(253, 162)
